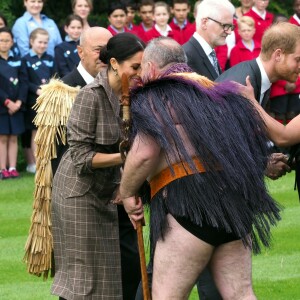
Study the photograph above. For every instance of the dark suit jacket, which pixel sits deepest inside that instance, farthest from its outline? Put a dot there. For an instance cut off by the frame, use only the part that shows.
(72, 79)
(198, 60)
(239, 72)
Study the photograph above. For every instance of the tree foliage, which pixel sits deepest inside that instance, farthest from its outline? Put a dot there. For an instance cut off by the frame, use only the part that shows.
(58, 10)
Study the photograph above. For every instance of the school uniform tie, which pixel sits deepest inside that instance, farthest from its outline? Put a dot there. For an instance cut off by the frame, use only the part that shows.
(215, 61)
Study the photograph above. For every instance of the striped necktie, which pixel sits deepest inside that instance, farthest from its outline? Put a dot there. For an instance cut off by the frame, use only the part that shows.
(215, 61)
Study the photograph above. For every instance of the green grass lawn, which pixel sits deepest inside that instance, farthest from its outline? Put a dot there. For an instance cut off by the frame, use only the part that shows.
(276, 272)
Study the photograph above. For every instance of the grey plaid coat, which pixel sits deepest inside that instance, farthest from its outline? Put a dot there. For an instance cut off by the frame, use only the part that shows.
(85, 223)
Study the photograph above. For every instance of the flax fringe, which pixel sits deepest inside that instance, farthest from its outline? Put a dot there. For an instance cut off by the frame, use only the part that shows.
(53, 108)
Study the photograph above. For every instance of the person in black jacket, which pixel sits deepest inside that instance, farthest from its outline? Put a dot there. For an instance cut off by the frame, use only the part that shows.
(66, 53)
(40, 68)
(214, 22)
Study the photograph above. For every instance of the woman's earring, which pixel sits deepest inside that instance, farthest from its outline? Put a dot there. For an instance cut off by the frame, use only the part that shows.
(115, 72)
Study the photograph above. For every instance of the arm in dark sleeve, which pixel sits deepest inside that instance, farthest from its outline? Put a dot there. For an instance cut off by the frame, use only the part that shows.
(23, 81)
(61, 63)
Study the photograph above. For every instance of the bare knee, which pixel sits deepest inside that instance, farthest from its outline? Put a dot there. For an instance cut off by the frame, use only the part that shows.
(13, 139)
(3, 139)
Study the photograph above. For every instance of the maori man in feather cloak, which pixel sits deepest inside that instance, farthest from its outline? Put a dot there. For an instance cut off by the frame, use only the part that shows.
(203, 149)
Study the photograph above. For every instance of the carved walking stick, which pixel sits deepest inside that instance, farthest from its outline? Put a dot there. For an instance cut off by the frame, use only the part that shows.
(124, 147)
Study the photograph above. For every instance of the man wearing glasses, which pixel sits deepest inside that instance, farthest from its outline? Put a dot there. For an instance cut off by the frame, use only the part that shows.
(214, 22)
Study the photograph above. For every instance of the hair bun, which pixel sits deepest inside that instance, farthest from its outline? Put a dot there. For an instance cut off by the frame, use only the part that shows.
(104, 55)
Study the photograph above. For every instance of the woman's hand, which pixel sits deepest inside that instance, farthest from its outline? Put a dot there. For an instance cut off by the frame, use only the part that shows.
(117, 197)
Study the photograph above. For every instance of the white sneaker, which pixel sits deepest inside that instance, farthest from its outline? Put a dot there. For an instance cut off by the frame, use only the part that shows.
(31, 168)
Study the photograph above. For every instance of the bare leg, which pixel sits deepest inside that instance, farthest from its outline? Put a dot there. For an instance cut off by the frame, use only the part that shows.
(12, 151)
(178, 261)
(231, 265)
(3, 151)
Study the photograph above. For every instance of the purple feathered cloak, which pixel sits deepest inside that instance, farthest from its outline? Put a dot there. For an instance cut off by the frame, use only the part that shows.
(226, 131)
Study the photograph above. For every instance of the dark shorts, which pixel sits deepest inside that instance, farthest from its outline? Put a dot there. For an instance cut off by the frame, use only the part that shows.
(12, 124)
(211, 235)
(285, 104)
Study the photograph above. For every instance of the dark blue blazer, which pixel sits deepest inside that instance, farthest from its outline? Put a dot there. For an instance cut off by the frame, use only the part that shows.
(74, 79)
(39, 71)
(198, 60)
(66, 57)
(13, 81)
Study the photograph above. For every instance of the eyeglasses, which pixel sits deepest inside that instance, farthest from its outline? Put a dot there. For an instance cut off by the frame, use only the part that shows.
(225, 27)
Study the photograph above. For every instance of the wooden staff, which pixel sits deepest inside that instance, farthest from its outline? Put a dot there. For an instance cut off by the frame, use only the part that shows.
(124, 147)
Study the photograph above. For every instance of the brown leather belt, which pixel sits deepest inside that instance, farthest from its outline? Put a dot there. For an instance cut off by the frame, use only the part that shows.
(166, 176)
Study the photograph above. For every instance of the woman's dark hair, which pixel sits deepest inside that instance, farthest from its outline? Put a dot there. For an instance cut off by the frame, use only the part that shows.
(116, 5)
(2, 17)
(121, 47)
(7, 30)
(73, 17)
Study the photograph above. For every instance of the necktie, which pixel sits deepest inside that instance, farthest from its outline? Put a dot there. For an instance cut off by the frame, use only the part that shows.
(215, 61)
(265, 98)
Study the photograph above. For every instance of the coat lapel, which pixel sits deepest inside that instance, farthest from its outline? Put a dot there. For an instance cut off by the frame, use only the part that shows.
(205, 59)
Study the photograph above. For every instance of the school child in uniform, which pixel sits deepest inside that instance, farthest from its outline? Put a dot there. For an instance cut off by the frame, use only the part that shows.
(182, 28)
(117, 15)
(66, 53)
(40, 68)
(131, 7)
(145, 12)
(247, 48)
(13, 93)
(263, 18)
(4, 23)
(161, 17)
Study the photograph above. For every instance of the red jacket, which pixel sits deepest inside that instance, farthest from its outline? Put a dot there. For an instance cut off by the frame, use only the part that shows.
(293, 21)
(260, 24)
(182, 35)
(153, 33)
(113, 32)
(277, 89)
(140, 32)
(240, 53)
